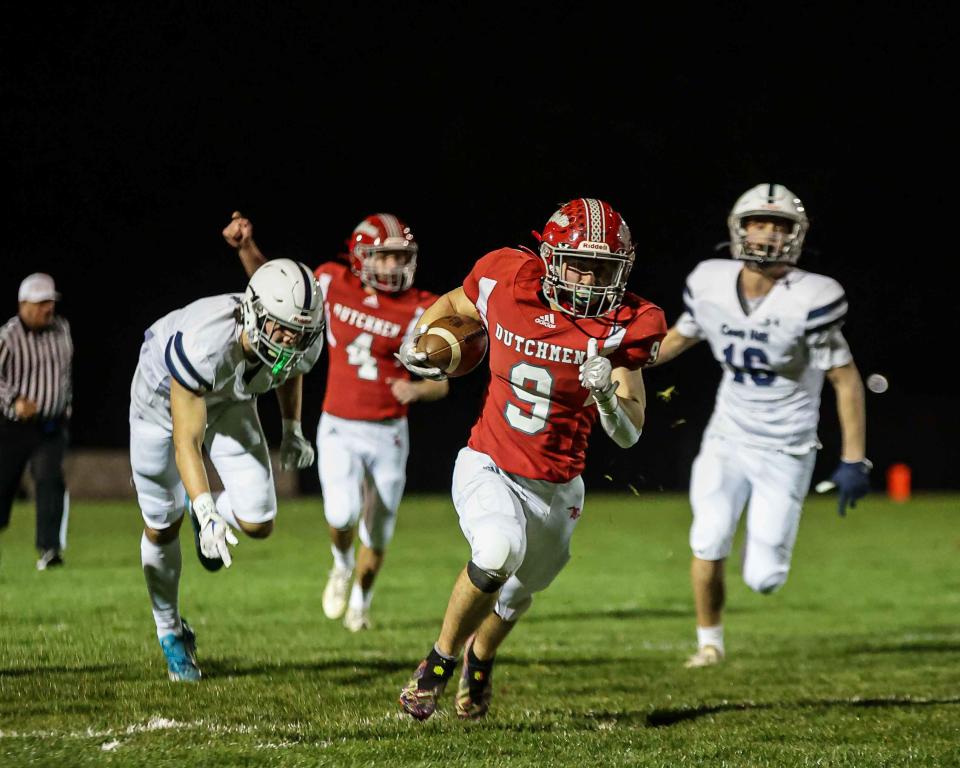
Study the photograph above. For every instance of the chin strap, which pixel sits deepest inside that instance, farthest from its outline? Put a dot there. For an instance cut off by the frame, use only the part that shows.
(614, 419)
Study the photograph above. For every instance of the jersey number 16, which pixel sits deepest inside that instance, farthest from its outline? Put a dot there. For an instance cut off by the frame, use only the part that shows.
(762, 377)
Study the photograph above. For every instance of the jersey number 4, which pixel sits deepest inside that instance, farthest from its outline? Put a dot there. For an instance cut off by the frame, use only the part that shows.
(762, 377)
(360, 356)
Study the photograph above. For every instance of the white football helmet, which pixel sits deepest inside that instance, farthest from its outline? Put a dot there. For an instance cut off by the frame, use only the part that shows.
(768, 201)
(283, 296)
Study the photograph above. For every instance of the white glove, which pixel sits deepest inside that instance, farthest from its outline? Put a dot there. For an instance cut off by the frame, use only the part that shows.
(595, 376)
(214, 531)
(295, 450)
(413, 361)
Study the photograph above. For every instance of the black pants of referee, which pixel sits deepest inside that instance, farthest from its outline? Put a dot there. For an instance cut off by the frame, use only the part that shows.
(43, 444)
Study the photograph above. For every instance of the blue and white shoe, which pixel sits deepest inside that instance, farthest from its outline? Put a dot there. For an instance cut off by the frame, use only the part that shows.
(181, 655)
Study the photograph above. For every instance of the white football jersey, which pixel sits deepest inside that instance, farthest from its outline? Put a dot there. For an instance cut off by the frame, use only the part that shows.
(773, 358)
(199, 345)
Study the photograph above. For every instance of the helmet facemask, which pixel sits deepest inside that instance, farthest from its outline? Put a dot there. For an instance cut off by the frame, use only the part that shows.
(280, 344)
(282, 314)
(600, 294)
(768, 203)
(395, 279)
(771, 247)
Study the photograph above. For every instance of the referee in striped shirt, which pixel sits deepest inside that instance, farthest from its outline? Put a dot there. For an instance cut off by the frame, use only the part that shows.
(36, 356)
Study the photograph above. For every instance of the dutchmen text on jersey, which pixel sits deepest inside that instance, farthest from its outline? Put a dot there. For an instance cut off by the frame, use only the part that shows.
(536, 417)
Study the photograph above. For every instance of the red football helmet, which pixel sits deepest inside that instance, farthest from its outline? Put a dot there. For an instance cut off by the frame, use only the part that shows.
(588, 252)
(383, 253)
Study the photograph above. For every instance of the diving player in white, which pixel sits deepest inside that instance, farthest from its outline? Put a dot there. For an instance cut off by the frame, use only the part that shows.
(196, 385)
(775, 330)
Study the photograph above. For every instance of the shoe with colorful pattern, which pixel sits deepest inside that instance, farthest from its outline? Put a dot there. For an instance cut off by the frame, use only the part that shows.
(475, 688)
(418, 698)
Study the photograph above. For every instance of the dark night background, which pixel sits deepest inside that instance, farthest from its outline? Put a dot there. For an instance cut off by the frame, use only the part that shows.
(130, 135)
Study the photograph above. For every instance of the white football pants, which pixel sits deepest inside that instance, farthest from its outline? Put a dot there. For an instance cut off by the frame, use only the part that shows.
(362, 466)
(726, 476)
(535, 517)
(238, 449)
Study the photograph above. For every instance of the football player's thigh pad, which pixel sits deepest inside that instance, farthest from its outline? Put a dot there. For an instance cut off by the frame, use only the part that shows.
(160, 493)
(388, 467)
(719, 489)
(780, 484)
(548, 535)
(238, 450)
(490, 514)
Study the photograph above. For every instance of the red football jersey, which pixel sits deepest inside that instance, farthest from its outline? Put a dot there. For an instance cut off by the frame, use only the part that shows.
(536, 417)
(364, 330)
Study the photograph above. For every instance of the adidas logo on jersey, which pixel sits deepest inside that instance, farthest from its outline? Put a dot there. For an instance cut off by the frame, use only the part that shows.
(547, 320)
(371, 301)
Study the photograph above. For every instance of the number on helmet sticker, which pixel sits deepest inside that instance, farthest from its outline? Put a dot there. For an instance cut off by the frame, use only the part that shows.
(359, 355)
(522, 375)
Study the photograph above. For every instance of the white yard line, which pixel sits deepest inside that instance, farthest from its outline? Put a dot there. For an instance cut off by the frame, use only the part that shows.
(155, 723)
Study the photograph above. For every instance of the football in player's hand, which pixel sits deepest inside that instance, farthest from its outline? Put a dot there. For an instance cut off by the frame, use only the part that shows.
(455, 344)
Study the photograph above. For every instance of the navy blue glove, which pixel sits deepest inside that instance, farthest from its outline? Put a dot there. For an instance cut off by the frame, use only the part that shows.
(852, 479)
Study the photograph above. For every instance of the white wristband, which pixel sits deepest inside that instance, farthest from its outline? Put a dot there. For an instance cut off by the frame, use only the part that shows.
(617, 424)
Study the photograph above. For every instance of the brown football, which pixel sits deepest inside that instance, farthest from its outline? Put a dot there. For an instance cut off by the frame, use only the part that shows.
(456, 344)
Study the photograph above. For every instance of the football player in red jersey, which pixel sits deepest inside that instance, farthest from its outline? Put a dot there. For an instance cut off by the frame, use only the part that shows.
(566, 346)
(371, 308)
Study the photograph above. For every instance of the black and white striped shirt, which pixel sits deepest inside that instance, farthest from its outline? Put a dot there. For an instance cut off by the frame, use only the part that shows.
(36, 365)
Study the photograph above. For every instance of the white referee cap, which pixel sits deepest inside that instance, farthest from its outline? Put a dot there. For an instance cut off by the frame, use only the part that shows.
(38, 287)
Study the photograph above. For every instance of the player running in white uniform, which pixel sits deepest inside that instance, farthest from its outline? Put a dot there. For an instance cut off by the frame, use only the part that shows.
(775, 330)
(196, 385)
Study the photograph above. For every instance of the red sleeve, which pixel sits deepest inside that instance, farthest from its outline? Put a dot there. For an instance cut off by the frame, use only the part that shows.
(425, 299)
(641, 343)
(327, 268)
(497, 265)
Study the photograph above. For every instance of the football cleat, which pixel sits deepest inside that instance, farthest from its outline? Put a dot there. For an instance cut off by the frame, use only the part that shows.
(475, 688)
(419, 702)
(335, 593)
(210, 563)
(707, 656)
(356, 619)
(181, 655)
(49, 558)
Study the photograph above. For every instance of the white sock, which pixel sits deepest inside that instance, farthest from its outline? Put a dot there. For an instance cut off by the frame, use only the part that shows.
(343, 560)
(710, 636)
(225, 510)
(161, 567)
(360, 600)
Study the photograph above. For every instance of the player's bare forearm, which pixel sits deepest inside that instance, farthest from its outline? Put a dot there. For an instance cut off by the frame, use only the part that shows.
(251, 257)
(851, 410)
(290, 397)
(189, 415)
(632, 394)
(673, 345)
(239, 235)
(428, 391)
(454, 302)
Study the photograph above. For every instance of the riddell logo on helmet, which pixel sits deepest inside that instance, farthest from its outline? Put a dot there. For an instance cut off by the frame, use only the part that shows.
(591, 245)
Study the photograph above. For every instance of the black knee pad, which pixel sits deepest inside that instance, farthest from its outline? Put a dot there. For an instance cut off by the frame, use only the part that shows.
(483, 580)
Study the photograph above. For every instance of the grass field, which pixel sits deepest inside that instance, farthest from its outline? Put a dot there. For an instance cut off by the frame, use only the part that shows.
(855, 663)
